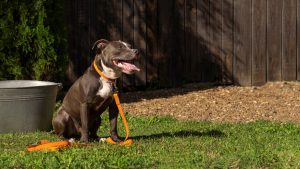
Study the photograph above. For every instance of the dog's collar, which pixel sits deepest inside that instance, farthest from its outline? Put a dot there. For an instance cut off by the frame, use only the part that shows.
(101, 73)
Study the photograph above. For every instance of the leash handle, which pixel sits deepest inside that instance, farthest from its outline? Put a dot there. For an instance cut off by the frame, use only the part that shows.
(46, 145)
(117, 100)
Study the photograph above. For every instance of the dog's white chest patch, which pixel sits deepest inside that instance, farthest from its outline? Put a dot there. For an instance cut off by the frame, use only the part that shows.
(106, 90)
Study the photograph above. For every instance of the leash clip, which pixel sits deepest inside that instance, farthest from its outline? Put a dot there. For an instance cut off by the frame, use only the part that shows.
(115, 89)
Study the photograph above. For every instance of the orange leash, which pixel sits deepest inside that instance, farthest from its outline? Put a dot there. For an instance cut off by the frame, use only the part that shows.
(126, 140)
(46, 145)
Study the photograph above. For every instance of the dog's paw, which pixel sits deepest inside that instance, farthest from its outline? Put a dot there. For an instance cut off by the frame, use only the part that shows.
(116, 138)
(84, 139)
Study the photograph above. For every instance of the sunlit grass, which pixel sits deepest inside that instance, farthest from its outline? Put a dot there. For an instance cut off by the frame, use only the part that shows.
(164, 142)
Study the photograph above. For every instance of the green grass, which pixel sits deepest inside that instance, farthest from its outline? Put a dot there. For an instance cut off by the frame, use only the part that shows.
(164, 142)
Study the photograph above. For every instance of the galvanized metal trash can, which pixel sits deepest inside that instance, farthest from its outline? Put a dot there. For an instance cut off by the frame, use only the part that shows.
(27, 105)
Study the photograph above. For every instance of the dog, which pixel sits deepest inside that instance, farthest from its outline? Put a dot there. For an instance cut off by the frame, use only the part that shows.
(90, 95)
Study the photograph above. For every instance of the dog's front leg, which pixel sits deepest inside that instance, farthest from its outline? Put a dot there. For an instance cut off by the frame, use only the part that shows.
(84, 122)
(113, 116)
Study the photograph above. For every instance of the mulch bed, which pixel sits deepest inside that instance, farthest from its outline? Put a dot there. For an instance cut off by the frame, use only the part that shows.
(274, 101)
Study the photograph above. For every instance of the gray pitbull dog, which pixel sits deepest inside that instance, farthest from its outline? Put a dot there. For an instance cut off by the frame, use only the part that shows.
(91, 94)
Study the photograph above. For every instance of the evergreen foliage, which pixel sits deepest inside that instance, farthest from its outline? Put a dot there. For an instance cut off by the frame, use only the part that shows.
(32, 40)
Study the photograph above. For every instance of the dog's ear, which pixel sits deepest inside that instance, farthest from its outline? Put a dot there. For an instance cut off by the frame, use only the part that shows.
(101, 44)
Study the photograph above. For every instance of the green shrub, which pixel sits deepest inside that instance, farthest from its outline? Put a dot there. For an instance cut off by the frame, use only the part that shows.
(32, 45)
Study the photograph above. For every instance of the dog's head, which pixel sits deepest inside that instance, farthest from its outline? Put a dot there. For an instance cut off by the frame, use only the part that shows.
(116, 55)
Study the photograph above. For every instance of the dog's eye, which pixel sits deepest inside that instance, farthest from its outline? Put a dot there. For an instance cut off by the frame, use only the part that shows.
(121, 47)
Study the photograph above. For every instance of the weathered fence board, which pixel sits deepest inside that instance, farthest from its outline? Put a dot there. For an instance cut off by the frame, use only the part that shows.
(259, 44)
(190, 46)
(274, 39)
(165, 41)
(151, 56)
(298, 40)
(289, 55)
(227, 41)
(247, 42)
(140, 39)
(242, 42)
(128, 33)
(203, 65)
(215, 25)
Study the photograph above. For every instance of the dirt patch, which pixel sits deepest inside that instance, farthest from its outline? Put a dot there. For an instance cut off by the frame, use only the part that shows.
(276, 101)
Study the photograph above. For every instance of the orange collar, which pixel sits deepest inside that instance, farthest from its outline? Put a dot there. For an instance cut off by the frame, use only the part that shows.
(101, 73)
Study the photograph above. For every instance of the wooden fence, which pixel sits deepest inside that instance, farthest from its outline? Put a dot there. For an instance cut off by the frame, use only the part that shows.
(247, 42)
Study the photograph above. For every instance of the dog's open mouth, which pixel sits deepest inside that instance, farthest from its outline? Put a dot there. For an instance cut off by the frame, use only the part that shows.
(127, 66)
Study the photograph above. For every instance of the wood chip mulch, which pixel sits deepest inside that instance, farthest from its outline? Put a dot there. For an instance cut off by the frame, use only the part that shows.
(274, 101)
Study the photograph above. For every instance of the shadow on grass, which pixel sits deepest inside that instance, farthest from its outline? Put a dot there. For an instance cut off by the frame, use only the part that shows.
(183, 133)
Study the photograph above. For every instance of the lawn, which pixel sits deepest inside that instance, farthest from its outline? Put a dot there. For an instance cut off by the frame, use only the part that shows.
(164, 142)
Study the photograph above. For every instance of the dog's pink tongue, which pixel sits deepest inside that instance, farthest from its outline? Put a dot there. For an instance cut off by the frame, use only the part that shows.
(128, 66)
